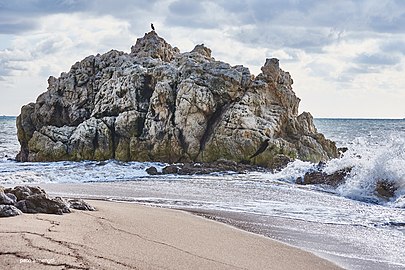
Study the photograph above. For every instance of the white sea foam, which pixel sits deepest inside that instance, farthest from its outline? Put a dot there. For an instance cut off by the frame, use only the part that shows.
(73, 172)
(371, 164)
(293, 170)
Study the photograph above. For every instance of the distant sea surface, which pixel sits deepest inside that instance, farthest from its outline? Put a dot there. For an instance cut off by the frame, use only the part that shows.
(349, 225)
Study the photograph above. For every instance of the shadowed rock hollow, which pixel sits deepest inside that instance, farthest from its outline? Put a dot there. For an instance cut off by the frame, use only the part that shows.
(157, 104)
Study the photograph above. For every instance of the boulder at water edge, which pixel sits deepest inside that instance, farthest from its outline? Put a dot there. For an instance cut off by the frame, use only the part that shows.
(35, 200)
(29, 199)
(157, 104)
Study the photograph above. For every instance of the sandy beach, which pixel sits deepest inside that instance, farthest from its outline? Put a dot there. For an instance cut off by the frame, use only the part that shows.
(131, 236)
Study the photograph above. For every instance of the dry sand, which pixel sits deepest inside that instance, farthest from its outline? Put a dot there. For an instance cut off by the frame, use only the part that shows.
(130, 236)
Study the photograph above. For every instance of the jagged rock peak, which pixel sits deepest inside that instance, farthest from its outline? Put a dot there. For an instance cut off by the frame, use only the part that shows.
(151, 45)
(201, 49)
(271, 68)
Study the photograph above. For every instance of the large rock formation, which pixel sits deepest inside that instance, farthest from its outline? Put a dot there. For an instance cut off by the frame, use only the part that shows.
(157, 104)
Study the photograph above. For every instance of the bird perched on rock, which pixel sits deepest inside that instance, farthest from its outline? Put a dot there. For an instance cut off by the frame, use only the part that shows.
(153, 28)
(261, 149)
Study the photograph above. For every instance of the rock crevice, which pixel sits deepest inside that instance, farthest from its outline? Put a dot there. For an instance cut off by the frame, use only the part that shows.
(157, 104)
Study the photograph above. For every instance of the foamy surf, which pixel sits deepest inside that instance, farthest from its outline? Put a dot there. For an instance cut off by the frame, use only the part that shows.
(15, 173)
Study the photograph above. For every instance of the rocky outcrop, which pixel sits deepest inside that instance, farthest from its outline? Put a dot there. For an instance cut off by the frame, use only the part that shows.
(35, 200)
(79, 204)
(27, 199)
(157, 104)
(385, 189)
(318, 176)
(41, 203)
(23, 192)
(220, 166)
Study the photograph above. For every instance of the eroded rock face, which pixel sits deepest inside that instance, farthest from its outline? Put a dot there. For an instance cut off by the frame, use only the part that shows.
(157, 104)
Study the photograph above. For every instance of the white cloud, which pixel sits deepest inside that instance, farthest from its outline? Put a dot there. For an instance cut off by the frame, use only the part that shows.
(340, 53)
(58, 43)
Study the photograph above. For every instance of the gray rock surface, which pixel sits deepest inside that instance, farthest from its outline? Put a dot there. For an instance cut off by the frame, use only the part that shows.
(7, 198)
(79, 204)
(35, 200)
(318, 176)
(23, 192)
(41, 203)
(152, 171)
(157, 104)
(9, 211)
(220, 166)
(28, 199)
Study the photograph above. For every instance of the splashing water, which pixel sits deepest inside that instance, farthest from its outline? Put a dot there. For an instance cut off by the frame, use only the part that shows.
(385, 163)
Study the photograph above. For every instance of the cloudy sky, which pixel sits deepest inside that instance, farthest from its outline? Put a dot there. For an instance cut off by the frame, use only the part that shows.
(347, 57)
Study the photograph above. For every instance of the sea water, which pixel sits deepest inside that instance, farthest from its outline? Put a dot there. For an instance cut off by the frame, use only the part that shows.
(350, 225)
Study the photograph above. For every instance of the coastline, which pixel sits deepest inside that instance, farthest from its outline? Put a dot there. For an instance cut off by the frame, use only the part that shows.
(132, 236)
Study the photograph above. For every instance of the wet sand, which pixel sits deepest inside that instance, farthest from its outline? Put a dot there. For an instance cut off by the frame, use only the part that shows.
(131, 236)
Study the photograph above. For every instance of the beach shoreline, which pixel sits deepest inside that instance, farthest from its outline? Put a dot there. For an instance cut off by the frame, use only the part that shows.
(132, 236)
